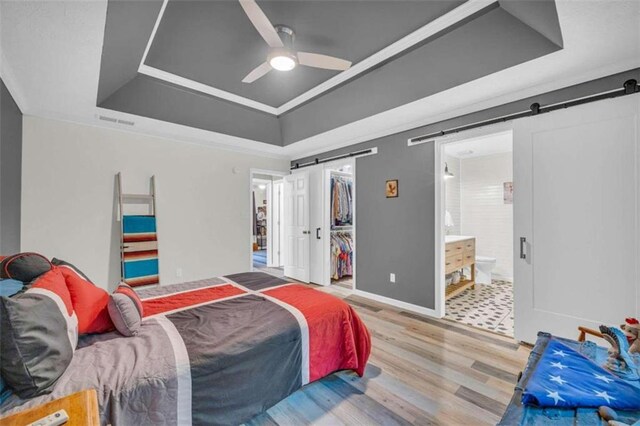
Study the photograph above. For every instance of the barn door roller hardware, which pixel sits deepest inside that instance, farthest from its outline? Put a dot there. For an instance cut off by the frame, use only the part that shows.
(628, 88)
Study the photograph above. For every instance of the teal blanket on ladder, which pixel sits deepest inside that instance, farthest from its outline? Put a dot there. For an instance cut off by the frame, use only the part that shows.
(140, 250)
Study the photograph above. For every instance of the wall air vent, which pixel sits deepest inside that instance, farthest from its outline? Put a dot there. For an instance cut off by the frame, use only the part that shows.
(109, 119)
(116, 120)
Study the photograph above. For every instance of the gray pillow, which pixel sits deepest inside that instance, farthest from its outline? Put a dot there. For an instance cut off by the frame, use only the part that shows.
(125, 310)
(36, 342)
(24, 267)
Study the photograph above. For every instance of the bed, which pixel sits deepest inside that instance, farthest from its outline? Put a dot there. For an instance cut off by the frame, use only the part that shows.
(216, 351)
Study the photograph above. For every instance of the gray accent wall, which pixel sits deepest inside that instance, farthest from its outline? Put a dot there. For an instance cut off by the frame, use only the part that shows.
(397, 235)
(10, 172)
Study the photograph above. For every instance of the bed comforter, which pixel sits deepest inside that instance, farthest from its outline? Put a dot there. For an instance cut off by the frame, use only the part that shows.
(217, 351)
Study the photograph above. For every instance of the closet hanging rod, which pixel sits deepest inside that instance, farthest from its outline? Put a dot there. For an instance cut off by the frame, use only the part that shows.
(354, 154)
(628, 88)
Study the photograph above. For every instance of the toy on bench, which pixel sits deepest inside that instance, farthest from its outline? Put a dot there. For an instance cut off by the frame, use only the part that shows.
(624, 354)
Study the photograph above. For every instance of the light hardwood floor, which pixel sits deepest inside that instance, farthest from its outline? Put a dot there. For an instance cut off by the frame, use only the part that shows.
(421, 371)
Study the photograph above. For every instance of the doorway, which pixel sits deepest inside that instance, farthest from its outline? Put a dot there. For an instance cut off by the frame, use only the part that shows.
(477, 230)
(267, 232)
(339, 220)
(320, 224)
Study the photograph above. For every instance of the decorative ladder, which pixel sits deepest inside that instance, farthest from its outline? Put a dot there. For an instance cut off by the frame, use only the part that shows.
(139, 263)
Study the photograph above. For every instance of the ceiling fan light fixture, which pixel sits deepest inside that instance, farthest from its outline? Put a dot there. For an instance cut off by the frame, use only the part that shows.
(282, 54)
(282, 63)
(282, 60)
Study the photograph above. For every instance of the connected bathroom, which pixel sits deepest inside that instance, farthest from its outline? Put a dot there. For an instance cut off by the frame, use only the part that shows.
(477, 225)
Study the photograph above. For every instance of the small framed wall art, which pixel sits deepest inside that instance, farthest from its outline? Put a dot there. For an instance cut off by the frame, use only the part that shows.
(391, 188)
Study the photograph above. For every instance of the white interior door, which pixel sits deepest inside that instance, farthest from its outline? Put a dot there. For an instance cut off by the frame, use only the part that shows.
(296, 226)
(576, 194)
(276, 233)
(271, 208)
(316, 224)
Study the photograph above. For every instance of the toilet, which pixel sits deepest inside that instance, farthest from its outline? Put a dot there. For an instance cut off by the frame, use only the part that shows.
(484, 267)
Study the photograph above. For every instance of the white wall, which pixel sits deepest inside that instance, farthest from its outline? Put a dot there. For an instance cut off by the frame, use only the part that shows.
(482, 209)
(68, 199)
(452, 194)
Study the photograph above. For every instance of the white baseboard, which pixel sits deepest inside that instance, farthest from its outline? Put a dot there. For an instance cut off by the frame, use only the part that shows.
(501, 277)
(398, 304)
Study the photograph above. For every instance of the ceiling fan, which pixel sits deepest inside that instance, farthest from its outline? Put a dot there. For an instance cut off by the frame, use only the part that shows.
(282, 56)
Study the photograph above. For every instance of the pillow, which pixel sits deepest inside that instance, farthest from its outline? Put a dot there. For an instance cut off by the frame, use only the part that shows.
(125, 309)
(10, 287)
(89, 302)
(24, 267)
(64, 264)
(39, 335)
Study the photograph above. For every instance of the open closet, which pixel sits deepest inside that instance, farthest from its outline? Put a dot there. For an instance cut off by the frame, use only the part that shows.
(341, 230)
(332, 232)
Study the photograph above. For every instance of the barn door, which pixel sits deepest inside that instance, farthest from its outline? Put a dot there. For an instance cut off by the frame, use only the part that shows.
(576, 218)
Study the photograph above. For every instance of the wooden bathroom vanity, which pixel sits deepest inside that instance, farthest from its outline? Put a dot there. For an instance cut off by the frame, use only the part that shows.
(459, 252)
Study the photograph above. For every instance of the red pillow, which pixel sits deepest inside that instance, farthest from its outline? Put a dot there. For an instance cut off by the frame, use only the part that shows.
(53, 285)
(89, 302)
(54, 282)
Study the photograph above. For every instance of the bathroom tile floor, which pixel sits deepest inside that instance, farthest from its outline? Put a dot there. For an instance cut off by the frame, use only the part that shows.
(488, 306)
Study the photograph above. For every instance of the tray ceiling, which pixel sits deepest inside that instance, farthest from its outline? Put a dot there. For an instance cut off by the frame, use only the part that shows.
(215, 44)
(182, 61)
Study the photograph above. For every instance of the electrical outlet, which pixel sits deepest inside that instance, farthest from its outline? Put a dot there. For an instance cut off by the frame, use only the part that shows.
(392, 278)
(179, 272)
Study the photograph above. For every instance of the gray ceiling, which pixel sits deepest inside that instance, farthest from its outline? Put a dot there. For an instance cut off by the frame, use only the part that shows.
(502, 35)
(213, 42)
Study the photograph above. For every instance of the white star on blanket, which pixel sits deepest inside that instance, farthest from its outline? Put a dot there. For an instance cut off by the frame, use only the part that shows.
(605, 396)
(555, 395)
(559, 380)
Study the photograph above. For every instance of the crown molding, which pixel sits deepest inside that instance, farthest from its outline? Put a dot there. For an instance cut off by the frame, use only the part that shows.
(203, 88)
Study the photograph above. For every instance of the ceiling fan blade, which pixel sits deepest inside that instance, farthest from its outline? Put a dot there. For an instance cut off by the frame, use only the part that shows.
(261, 22)
(323, 61)
(258, 72)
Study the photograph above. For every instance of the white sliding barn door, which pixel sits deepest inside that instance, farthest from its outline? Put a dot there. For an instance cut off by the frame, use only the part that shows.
(576, 195)
(296, 226)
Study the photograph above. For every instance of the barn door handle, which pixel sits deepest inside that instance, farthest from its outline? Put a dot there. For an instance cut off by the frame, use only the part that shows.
(523, 241)
(317, 233)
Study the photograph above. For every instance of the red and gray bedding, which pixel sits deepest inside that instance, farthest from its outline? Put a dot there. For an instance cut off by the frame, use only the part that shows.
(216, 351)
